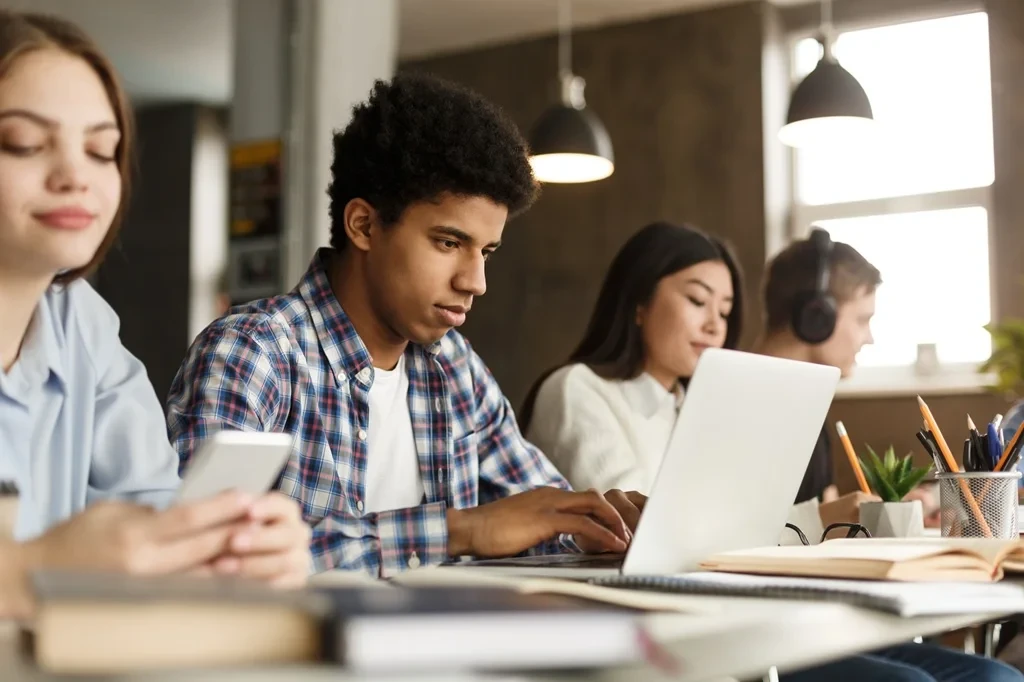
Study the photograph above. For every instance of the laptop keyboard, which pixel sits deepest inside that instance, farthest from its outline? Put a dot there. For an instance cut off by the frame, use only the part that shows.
(612, 561)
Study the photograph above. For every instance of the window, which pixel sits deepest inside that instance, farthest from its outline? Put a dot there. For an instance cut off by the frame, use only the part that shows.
(915, 200)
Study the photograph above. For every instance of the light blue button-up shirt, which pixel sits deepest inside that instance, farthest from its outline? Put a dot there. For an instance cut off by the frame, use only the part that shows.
(79, 419)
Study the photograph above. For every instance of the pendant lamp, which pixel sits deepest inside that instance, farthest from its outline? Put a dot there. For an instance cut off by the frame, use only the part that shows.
(569, 144)
(829, 105)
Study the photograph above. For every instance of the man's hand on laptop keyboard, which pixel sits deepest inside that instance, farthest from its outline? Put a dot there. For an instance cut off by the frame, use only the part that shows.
(628, 504)
(519, 522)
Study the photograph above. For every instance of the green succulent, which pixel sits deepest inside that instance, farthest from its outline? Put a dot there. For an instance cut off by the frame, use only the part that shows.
(892, 477)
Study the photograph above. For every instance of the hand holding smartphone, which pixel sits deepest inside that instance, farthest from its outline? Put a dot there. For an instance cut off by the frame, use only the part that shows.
(246, 461)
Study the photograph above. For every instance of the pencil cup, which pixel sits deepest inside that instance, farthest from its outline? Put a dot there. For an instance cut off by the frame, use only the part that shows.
(979, 504)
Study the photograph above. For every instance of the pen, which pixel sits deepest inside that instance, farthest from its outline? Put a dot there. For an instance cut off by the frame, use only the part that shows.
(932, 452)
(995, 445)
(979, 454)
(935, 445)
(1010, 448)
(1015, 454)
(1011, 464)
(968, 456)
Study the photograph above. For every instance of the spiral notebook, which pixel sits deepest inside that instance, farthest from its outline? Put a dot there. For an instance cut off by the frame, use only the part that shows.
(900, 598)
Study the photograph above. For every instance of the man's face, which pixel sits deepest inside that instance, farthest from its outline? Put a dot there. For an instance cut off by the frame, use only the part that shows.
(426, 269)
(853, 332)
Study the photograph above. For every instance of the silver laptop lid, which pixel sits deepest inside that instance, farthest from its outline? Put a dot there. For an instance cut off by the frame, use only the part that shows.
(735, 460)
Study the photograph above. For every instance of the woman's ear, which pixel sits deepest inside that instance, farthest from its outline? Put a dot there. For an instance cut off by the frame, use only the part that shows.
(641, 315)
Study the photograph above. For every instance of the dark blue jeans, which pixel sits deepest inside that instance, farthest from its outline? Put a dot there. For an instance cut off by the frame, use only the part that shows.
(910, 663)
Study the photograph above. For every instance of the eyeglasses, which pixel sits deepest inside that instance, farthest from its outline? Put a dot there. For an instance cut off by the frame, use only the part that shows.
(852, 531)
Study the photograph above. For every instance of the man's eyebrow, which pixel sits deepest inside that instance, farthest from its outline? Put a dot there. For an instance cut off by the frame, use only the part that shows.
(463, 236)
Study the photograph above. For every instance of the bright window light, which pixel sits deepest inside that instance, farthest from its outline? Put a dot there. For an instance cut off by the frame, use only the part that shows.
(935, 283)
(929, 85)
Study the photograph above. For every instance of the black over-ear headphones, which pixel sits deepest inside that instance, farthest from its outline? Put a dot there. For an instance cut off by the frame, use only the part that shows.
(814, 312)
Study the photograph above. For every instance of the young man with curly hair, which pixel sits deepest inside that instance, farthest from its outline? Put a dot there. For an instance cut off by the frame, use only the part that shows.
(408, 453)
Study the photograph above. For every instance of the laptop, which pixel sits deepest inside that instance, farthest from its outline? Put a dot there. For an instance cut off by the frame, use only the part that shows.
(732, 468)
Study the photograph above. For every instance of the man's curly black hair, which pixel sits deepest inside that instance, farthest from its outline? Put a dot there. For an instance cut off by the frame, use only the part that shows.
(418, 137)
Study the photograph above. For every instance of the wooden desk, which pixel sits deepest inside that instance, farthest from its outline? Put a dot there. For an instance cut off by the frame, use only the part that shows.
(762, 633)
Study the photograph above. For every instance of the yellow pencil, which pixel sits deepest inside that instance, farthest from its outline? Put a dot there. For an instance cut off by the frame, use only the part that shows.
(930, 422)
(852, 456)
(933, 426)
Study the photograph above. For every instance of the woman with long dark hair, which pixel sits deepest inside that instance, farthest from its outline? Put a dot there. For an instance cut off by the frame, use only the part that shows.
(604, 418)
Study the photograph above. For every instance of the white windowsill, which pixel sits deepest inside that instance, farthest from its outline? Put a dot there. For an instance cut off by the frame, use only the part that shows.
(879, 382)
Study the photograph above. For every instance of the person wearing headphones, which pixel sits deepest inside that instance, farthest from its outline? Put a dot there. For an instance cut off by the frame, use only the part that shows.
(819, 299)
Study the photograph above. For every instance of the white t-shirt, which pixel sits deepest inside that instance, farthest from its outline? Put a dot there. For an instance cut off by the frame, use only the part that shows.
(393, 479)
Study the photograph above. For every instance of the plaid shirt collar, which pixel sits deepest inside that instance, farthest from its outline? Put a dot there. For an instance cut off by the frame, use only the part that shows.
(338, 337)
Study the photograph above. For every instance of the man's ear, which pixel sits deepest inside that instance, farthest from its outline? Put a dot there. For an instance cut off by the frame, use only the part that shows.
(359, 217)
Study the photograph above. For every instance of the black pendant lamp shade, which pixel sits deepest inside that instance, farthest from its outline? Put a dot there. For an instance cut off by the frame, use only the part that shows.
(569, 143)
(829, 105)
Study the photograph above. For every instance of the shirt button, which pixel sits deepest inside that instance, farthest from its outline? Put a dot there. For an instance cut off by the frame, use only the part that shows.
(362, 434)
(437, 404)
(359, 505)
(414, 561)
(363, 375)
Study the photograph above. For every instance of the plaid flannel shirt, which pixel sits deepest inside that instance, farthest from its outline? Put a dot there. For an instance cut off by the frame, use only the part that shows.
(295, 363)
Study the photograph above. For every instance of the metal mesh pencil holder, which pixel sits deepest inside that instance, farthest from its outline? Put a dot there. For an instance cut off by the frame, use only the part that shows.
(979, 504)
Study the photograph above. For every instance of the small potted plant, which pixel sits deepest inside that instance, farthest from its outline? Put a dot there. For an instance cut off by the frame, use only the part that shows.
(891, 478)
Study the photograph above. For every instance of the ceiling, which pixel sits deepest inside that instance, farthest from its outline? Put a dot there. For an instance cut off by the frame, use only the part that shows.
(163, 49)
(430, 27)
(183, 49)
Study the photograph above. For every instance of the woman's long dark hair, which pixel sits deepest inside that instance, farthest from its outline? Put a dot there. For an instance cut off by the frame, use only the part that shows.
(612, 345)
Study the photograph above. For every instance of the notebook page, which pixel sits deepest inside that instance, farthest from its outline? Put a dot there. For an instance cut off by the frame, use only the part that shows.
(991, 549)
(864, 550)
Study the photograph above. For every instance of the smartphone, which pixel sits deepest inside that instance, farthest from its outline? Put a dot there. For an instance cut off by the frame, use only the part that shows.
(247, 461)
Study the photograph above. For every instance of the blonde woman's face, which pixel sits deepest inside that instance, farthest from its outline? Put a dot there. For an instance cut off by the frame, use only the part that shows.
(59, 182)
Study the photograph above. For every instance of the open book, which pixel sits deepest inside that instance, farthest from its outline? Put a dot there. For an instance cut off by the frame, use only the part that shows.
(910, 560)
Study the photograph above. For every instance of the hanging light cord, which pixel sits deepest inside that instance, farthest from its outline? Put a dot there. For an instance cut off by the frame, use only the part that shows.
(564, 38)
(826, 14)
(572, 85)
(826, 29)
